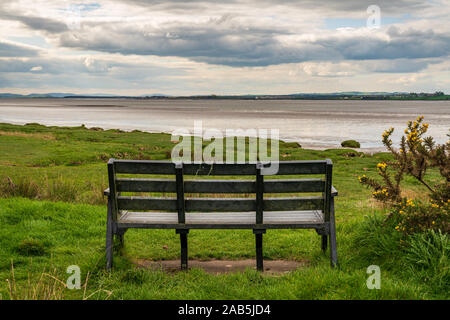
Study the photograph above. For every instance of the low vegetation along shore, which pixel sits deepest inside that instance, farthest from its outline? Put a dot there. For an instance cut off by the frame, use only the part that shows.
(53, 215)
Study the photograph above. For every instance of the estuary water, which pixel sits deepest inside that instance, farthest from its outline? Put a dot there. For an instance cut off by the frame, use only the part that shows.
(313, 123)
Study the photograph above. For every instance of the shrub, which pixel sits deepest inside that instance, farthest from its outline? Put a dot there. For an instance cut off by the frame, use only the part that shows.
(415, 155)
(350, 144)
(415, 216)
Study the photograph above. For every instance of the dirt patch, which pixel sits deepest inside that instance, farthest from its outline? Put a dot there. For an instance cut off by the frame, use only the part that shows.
(223, 266)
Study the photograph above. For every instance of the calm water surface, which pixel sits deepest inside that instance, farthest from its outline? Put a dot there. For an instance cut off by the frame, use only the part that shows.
(319, 124)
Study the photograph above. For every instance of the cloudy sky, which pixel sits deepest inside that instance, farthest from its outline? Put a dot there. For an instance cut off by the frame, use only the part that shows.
(207, 47)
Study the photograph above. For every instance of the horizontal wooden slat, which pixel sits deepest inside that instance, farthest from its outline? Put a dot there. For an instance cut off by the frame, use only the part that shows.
(220, 204)
(294, 203)
(293, 185)
(220, 186)
(145, 185)
(147, 203)
(168, 167)
(219, 169)
(144, 166)
(224, 219)
(302, 167)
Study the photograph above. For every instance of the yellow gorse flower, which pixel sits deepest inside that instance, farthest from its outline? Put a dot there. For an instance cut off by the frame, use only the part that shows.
(382, 165)
(409, 203)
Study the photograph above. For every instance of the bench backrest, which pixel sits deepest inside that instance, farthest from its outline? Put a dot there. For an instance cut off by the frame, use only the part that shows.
(180, 185)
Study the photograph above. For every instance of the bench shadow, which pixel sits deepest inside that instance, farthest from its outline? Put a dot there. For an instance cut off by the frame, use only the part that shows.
(272, 267)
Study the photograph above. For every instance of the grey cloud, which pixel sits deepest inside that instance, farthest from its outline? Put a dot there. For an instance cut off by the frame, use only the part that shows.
(13, 50)
(400, 65)
(77, 73)
(410, 44)
(37, 23)
(235, 45)
(387, 6)
(89, 66)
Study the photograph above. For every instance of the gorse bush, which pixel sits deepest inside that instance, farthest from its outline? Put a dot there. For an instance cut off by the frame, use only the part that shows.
(414, 157)
(414, 234)
(416, 216)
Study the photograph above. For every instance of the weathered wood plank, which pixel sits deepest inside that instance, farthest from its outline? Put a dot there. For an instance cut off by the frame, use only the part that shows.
(293, 185)
(180, 193)
(259, 196)
(112, 190)
(220, 204)
(220, 186)
(225, 218)
(146, 185)
(147, 203)
(292, 203)
(144, 166)
(302, 167)
(217, 169)
(327, 193)
(220, 169)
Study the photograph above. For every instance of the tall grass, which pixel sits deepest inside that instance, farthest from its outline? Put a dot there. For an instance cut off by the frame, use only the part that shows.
(427, 254)
(423, 257)
(59, 189)
(48, 286)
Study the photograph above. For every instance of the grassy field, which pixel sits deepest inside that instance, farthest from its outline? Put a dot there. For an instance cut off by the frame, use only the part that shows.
(53, 215)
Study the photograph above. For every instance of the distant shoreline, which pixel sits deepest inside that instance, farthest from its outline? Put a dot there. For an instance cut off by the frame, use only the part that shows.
(337, 96)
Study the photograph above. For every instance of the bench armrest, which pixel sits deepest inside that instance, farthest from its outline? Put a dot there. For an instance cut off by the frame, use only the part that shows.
(333, 191)
(106, 192)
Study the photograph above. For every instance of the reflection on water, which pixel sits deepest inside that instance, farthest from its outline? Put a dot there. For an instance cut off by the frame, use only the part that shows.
(320, 124)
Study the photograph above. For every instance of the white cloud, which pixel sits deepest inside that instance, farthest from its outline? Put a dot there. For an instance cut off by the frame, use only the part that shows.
(37, 68)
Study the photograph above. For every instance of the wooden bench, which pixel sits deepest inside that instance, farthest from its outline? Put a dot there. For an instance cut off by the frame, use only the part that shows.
(182, 213)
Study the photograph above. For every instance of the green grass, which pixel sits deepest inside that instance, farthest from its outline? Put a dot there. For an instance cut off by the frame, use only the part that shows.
(53, 215)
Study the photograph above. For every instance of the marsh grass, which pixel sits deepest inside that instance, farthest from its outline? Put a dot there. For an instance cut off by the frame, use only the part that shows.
(57, 189)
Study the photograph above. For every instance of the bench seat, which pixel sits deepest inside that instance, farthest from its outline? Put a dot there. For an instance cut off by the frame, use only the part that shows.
(221, 220)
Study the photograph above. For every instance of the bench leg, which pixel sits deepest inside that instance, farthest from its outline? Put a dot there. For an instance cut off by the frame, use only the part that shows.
(324, 243)
(332, 237)
(259, 249)
(109, 239)
(184, 248)
(120, 234)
